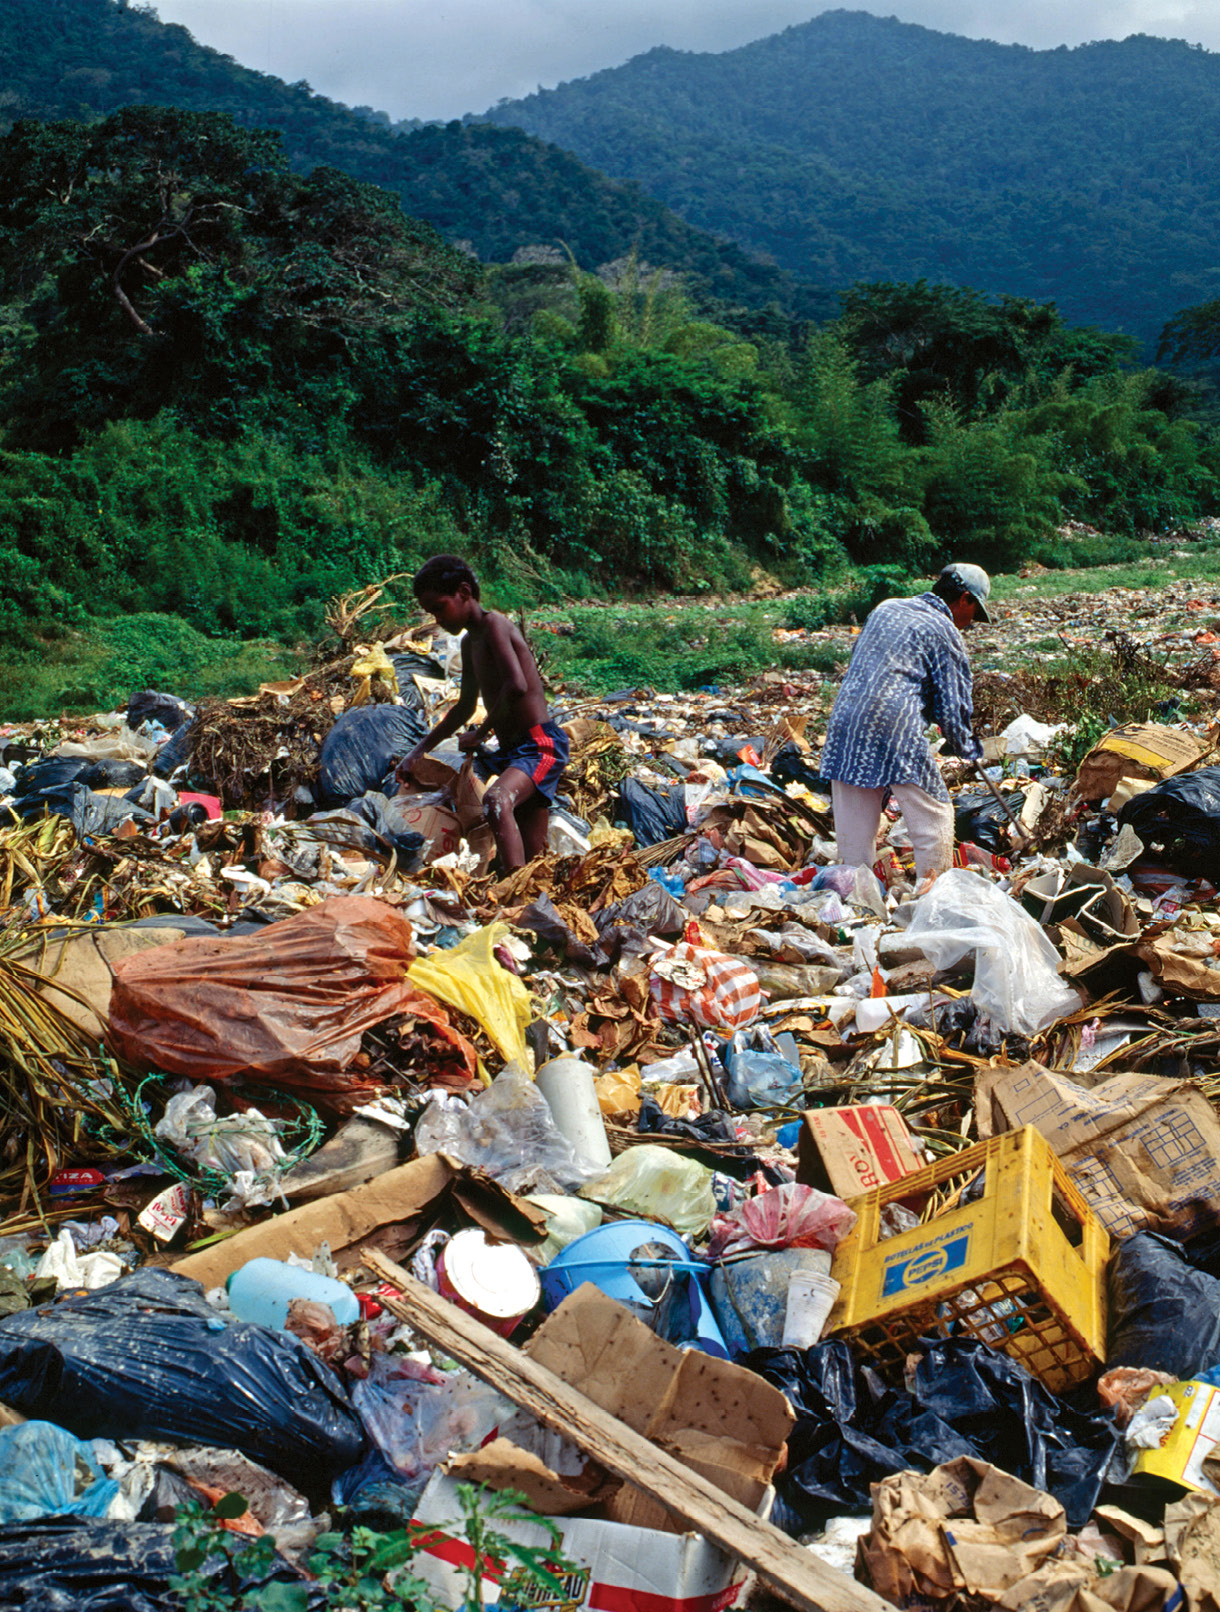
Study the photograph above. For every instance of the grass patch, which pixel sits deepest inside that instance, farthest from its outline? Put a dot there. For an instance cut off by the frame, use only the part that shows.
(1198, 563)
(95, 668)
(669, 646)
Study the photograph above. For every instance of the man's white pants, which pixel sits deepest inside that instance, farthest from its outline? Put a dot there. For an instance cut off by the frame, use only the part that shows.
(858, 818)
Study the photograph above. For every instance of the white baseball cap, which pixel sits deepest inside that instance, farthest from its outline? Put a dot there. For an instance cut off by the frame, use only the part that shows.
(971, 579)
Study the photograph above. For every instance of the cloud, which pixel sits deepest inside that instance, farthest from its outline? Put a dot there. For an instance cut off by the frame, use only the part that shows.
(441, 58)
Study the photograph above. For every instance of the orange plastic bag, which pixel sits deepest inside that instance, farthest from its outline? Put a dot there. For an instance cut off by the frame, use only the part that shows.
(285, 1008)
(708, 987)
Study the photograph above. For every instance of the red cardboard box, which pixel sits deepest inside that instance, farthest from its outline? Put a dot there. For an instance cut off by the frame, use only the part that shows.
(849, 1151)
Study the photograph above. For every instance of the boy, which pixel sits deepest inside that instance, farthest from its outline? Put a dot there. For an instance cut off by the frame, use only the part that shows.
(496, 664)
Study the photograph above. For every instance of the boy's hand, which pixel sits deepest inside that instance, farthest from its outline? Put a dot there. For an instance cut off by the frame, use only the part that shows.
(470, 740)
(406, 766)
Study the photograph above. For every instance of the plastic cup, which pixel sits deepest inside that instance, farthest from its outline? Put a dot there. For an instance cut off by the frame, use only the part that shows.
(811, 1297)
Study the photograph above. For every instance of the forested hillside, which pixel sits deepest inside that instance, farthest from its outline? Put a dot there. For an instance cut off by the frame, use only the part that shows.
(859, 148)
(492, 188)
(228, 390)
(232, 386)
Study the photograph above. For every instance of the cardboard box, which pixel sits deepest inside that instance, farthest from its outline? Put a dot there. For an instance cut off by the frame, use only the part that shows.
(1136, 750)
(447, 810)
(392, 1212)
(1191, 1442)
(719, 1419)
(1144, 1151)
(616, 1566)
(849, 1151)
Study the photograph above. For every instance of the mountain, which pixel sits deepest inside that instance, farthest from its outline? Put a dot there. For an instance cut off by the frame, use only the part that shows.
(495, 189)
(856, 148)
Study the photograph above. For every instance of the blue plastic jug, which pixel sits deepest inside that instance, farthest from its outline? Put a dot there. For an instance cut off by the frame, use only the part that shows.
(262, 1290)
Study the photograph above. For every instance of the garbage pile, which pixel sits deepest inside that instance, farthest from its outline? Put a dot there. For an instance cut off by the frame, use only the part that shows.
(738, 1212)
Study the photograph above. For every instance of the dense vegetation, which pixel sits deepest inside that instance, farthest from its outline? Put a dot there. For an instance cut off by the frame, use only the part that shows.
(858, 147)
(495, 189)
(231, 388)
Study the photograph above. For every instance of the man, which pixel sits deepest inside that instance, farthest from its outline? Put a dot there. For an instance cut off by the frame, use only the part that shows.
(909, 669)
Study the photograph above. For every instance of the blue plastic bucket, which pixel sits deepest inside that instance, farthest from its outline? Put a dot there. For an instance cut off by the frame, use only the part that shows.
(605, 1255)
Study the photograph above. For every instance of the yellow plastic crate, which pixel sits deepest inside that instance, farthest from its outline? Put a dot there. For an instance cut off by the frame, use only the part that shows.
(1020, 1265)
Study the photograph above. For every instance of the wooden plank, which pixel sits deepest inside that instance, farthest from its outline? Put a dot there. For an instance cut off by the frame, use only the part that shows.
(789, 1570)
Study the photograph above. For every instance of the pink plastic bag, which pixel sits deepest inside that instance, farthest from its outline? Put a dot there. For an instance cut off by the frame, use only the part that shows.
(788, 1216)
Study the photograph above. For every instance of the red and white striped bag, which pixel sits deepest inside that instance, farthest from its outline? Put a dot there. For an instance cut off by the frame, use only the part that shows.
(696, 983)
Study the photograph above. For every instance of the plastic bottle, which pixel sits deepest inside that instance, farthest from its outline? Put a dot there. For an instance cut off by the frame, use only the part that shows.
(567, 1085)
(262, 1290)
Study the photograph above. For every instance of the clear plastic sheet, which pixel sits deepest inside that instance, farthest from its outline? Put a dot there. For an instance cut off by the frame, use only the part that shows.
(507, 1131)
(1015, 980)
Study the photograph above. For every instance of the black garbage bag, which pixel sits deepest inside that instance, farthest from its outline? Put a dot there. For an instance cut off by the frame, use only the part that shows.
(89, 813)
(979, 819)
(790, 766)
(177, 752)
(148, 705)
(111, 773)
(625, 926)
(852, 1430)
(146, 1358)
(1164, 1314)
(101, 814)
(652, 815)
(728, 751)
(365, 745)
(407, 667)
(710, 1127)
(1182, 818)
(65, 1564)
(543, 919)
(50, 776)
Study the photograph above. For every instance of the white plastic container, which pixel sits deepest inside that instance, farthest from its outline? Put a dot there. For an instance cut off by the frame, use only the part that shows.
(875, 1011)
(571, 1096)
(262, 1290)
(811, 1297)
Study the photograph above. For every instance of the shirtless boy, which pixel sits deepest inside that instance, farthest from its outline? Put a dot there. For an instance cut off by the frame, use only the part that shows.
(497, 665)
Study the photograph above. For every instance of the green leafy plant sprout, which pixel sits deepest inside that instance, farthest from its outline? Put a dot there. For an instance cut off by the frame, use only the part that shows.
(536, 1577)
(362, 1570)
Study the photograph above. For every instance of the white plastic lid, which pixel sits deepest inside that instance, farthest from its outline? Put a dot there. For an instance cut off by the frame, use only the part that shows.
(494, 1278)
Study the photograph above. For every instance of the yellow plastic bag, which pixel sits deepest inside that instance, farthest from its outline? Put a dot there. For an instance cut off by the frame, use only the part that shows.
(373, 665)
(618, 1093)
(470, 979)
(657, 1183)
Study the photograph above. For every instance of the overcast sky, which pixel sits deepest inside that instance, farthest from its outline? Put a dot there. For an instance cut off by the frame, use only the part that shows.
(441, 58)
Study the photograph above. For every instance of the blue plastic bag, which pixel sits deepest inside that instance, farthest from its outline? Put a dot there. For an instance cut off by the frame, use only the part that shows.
(762, 1072)
(45, 1472)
